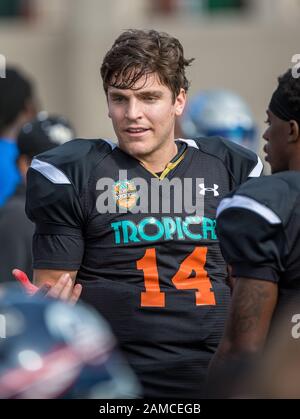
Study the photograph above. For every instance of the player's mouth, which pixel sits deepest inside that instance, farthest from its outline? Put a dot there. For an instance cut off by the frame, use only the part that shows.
(266, 152)
(136, 131)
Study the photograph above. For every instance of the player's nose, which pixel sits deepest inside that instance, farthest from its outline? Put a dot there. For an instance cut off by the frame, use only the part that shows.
(133, 109)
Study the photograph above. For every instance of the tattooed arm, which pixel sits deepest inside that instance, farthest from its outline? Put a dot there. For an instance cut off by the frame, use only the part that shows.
(248, 322)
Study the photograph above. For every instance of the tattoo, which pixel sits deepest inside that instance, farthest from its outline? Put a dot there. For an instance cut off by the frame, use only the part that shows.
(249, 303)
(247, 326)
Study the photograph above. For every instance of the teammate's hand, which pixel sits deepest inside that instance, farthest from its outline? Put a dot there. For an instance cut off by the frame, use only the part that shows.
(63, 289)
(21, 276)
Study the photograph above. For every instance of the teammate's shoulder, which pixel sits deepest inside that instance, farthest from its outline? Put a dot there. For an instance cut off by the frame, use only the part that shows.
(280, 186)
(278, 193)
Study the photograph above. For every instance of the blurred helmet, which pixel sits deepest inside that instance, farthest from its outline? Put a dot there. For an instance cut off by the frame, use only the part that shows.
(220, 113)
(50, 349)
(43, 133)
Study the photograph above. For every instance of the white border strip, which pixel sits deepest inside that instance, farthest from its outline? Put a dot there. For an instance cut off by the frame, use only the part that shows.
(256, 172)
(111, 143)
(50, 172)
(239, 201)
(190, 143)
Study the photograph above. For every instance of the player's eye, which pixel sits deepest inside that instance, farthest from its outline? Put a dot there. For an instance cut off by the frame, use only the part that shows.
(150, 98)
(118, 99)
(268, 122)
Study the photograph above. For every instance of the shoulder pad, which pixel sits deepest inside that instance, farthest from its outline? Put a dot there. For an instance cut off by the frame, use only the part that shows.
(240, 162)
(277, 193)
(72, 162)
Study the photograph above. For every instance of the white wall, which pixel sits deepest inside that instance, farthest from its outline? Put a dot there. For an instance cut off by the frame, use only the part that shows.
(64, 49)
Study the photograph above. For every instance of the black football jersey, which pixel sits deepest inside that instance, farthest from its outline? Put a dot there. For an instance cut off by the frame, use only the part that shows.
(259, 230)
(145, 247)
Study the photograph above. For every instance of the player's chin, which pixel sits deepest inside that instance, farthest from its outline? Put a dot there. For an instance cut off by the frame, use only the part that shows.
(139, 152)
(269, 161)
(138, 147)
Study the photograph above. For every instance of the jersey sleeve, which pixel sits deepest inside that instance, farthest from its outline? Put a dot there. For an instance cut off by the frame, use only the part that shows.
(251, 229)
(240, 162)
(57, 189)
(54, 207)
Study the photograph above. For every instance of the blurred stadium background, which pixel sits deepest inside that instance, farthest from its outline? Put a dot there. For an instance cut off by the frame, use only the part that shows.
(241, 45)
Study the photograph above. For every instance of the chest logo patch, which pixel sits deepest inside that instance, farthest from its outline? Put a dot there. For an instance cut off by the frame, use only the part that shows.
(125, 194)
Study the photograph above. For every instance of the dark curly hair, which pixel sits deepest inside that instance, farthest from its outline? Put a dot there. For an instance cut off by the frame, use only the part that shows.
(15, 91)
(289, 86)
(136, 53)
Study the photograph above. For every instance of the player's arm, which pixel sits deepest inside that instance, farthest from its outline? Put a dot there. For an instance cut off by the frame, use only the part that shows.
(248, 322)
(53, 204)
(230, 280)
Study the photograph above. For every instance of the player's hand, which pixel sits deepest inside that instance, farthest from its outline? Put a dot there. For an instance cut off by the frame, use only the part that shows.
(63, 289)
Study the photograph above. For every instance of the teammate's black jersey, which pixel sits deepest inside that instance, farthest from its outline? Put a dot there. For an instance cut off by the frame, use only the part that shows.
(145, 247)
(259, 231)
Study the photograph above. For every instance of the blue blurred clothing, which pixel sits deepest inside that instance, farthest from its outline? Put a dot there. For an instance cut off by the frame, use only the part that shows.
(9, 174)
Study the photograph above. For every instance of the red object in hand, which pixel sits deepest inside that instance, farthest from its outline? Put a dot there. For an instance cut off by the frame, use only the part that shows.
(24, 280)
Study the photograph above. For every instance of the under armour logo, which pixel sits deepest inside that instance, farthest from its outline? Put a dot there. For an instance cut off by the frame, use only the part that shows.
(203, 190)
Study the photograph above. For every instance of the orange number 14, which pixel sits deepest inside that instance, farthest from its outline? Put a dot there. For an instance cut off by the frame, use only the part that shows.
(194, 263)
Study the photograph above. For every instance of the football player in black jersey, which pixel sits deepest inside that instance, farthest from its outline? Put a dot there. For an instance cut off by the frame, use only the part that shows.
(133, 222)
(258, 228)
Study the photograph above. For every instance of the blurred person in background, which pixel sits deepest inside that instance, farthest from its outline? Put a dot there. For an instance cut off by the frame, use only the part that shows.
(17, 106)
(219, 113)
(50, 349)
(16, 231)
(259, 230)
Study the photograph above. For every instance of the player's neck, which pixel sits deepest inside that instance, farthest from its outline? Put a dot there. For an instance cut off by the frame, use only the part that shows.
(156, 162)
(294, 163)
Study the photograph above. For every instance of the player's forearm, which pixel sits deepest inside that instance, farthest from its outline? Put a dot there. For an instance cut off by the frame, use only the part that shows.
(246, 328)
(228, 369)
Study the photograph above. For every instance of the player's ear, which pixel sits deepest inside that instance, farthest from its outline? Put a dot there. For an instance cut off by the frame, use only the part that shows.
(294, 132)
(180, 102)
(107, 102)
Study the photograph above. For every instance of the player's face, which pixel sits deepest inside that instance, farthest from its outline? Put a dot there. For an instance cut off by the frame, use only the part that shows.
(276, 149)
(144, 117)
